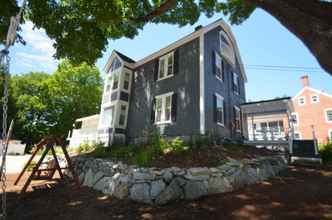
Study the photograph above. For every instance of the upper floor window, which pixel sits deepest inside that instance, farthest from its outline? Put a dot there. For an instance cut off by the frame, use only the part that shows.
(219, 64)
(115, 82)
(328, 113)
(126, 81)
(166, 66)
(237, 118)
(115, 64)
(314, 98)
(226, 47)
(219, 109)
(330, 135)
(163, 108)
(236, 87)
(301, 100)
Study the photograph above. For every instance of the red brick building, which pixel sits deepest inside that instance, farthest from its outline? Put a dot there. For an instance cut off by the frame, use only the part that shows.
(312, 113)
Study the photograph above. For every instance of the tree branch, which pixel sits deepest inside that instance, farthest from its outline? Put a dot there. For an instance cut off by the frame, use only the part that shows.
(314, 32)
(167, 5)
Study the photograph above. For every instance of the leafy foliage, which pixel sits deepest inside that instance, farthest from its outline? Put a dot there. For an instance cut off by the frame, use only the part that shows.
(326, 153)
(81, 28)
(49, 104)
(141, 155)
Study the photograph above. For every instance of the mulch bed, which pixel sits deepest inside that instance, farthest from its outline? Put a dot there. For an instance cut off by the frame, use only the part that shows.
(209, 156)
(298, 193)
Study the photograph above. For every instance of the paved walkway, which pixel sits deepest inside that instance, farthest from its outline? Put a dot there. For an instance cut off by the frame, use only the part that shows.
(16, 163)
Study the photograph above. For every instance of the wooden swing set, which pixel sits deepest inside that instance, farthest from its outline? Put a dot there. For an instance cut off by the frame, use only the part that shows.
(38, 173)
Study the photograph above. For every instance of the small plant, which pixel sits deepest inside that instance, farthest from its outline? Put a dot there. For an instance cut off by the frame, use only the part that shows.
(85, 148)
(144, 157)
(326, 153)
(177, 145)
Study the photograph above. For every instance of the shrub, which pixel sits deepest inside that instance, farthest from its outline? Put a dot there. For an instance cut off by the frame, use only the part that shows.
(326, 153)
(145, 156)
(177, 145)
(85, 148)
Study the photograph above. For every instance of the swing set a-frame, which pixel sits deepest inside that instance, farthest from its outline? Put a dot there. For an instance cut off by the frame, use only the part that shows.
(49, 143)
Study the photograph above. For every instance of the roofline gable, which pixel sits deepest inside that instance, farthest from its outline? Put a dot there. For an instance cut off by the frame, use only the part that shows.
(186, 39)
(312, 89)
(110, 59)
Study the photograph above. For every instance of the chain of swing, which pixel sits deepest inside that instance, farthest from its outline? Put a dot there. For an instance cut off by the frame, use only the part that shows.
(4, 69)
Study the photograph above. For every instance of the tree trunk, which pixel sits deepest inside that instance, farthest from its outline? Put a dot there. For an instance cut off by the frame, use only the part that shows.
(303, 18)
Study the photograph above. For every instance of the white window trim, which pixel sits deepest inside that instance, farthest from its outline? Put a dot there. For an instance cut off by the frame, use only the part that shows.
(297, 118)
(325, 112)
(123, 81)
(126, 115)
(221, 66)
(166, 66)
(237, 108)
(300, 135)
(163, 105)
(298, 101)
(329, 135)
(223, 110)
(311, 96)
(237, 82)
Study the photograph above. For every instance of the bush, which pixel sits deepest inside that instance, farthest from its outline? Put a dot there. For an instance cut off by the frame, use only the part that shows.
(326, 153)
(145, 156)
(177, 145)
(85, 148)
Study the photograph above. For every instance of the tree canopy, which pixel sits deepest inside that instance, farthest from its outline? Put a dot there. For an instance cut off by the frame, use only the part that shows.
(81, 28)
(49, 104)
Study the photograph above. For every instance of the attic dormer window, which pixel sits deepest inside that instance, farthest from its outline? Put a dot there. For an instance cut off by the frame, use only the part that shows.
(116, 64)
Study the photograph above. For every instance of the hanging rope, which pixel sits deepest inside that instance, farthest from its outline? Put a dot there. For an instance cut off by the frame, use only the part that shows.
(4, 68)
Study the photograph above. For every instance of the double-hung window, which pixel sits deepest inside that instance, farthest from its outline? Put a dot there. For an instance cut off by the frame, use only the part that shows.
(126, 81)
(295, 118)
(163, 108)
(219, 110)
(314, 98)
(330, 135)
(237, 118)
(115, 82)
(328, 115)
(166, 66)
(301, 100)
(236, 87)
(123, 112)
(219, 66)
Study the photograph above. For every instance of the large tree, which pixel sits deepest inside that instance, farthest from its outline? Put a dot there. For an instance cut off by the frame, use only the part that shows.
(81, 28)
(76, 92)
(49, 104)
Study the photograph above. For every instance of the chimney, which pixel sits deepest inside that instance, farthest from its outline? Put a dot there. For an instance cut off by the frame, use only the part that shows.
(198, 27)
(305, 80)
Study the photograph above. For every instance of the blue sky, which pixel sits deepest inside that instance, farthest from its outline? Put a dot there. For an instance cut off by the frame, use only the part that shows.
(261, 39)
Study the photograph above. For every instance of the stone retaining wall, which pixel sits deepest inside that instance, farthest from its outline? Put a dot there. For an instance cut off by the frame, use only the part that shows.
(160, 186)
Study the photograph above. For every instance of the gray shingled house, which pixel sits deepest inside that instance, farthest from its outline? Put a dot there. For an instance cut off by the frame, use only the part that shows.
(191, 87)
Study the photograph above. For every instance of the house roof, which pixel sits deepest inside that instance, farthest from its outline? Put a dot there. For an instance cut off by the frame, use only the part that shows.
(267, 100)
(268, 106)
(188, 38)
(312, 89)
(90, 117)
(124, 57)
